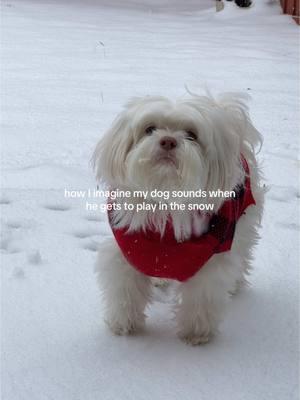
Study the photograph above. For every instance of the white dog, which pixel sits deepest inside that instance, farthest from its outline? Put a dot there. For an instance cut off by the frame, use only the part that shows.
(191, 144)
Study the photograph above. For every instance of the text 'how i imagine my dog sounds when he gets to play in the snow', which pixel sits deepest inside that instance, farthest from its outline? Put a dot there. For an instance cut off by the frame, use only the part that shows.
(148, 200)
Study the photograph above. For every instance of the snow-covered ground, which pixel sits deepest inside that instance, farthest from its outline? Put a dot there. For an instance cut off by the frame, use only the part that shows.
(67, 67)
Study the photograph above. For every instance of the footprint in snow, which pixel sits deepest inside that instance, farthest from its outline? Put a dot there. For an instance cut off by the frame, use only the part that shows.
(14, 225)
(83, 234)
(8, 245)
(282, 155)
(18, 273)
(34, 257)
(291, 226)
(4, 200)
(94, 217)
(282, 194)
(91, 246)
(11, 234)
(57, 207)
(280, 199)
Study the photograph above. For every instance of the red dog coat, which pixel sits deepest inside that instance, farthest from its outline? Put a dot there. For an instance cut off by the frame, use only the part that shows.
(164, 257)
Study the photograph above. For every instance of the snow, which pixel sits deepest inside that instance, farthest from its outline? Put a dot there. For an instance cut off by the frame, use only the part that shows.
(67, 67)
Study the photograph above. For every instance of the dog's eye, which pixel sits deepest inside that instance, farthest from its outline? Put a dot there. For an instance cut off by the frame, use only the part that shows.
(190, 135)
(150, 129)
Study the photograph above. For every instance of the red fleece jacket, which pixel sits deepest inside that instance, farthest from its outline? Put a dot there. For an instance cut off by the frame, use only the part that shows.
(164, 257)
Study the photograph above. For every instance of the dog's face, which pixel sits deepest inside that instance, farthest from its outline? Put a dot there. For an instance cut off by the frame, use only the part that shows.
(185, 145)
(166, 150)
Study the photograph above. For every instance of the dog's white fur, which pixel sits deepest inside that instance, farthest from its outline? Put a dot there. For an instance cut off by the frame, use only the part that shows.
(129, 158)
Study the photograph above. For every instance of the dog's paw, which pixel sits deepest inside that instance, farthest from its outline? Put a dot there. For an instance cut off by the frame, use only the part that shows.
(125, 328)
(121, 330)
(193, 339)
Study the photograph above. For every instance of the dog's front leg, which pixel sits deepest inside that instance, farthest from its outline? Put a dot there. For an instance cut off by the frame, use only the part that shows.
(201, 304)
(126, 291)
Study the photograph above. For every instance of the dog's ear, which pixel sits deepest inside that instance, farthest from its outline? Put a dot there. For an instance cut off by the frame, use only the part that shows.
(236, 107)
(233, 135)
(110, 153)
(222, 153)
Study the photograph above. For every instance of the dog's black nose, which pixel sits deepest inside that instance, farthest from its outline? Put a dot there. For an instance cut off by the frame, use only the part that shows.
(168, 143)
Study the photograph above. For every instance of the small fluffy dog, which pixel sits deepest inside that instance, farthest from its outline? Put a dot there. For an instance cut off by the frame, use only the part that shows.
(193, 143)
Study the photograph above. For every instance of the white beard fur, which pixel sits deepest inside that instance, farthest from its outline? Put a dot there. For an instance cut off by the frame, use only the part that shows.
(121, 160)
